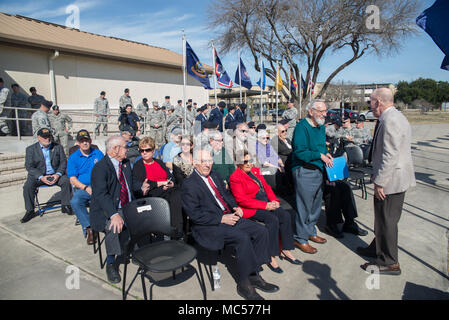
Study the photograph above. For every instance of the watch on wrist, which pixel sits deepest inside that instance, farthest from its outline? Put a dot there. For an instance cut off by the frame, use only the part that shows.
(85, 187)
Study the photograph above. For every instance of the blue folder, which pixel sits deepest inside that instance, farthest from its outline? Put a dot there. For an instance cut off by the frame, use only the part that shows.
(339, 171)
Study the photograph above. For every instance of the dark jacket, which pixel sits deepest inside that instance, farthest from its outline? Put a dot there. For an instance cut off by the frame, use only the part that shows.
(106, 191)
(230, 121)
(216, 116)
(282, 149)
(139, 176)
(204, 211)
(35, 161)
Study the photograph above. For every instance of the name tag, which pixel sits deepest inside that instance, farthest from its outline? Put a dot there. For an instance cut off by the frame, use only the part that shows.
(144, 208)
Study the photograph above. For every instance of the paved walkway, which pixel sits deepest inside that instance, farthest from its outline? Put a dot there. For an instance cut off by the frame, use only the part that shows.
(36, 255)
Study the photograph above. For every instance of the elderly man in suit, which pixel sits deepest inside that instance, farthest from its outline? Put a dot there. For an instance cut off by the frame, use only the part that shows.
(393, 174)
(111, 183)
(46, 163)
(217, 222)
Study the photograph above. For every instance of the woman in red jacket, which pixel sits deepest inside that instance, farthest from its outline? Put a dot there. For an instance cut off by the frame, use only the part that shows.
(258, 201)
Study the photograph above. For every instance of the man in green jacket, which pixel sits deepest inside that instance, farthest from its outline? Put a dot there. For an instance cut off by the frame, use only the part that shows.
(309, 156)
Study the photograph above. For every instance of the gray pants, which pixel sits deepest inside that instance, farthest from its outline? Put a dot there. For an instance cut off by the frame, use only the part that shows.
(115, 242)
(386, 217)
(309, 196)
(101, 120)
(158, 136)
(32, 184)
(63, 139)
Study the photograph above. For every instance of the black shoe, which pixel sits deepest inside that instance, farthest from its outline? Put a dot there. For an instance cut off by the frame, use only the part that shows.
(67, 209)
(112, 273)
(296, 261)
(333, 230)
(248, 293)
(277, 270)
(366, 252)
(28, 216)
(259, 283)
(354, 229)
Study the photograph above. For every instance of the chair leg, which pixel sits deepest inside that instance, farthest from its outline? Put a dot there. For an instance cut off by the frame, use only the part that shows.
(201, 279)
(124, 293)
(211, 278)
(144, 288)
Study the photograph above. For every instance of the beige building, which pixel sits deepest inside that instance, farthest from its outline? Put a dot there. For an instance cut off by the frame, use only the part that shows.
(71, 67)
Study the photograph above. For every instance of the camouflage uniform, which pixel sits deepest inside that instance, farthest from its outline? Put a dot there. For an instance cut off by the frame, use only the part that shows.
(35, 101)
(58, 124)
(361, 136)
(101, 107)
(190, 120)
(124, 100)
(4, 102)
(291, 115)
(40, 120)
(156, 117)
(171, 121)
(166, 105)
(142, 112)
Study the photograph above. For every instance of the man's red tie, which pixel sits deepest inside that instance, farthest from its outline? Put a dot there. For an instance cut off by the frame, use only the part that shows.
(218, 195)
(124, 197)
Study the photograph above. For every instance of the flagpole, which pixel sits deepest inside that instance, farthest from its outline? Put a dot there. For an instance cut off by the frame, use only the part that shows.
(276, 85)
(300, 94)
(240, 78)
(184, 77)
(215, 75)
(261, 84)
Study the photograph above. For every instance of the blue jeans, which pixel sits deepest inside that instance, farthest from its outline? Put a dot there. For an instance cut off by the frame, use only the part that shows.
(309, 196)
(79, 201)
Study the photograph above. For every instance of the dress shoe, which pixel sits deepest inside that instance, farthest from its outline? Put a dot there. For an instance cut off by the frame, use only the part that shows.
(296, 261)
(112, 273)
(366, 252)
(277, 269)
(317, 239)
(392, 269)
(333, 230)
(248, 293)
(28, 216)
(259, 283)
(354, 229)
(307, 248)
(90, 236)
(67, 209)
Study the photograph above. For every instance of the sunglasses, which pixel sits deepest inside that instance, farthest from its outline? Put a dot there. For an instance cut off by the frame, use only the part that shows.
(252, 127)
(265, 138)
(244, 131)
(251, 161)
(283, 131)
(146, 150)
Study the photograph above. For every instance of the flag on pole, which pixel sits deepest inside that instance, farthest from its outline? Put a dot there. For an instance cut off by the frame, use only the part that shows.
(311, 86)
(293, 83)
(195, 68)
(262, 86)
(223, 78)
(303, 84)
(246, 81)
(434, 21)
(278, 84)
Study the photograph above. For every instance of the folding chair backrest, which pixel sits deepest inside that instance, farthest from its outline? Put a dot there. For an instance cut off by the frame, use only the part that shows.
(355, 155)
(148, 215)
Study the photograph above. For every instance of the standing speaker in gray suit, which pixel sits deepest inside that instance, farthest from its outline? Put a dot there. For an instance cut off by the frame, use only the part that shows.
(393, 174)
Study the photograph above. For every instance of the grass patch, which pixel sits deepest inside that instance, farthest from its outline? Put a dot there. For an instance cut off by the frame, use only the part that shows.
(415, 116)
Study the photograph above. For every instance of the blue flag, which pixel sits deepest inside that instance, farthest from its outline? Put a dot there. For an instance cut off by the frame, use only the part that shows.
(263, 78)
(223, 78)
(434, 21)
(246, 81)
(303, 84)
(195, 68)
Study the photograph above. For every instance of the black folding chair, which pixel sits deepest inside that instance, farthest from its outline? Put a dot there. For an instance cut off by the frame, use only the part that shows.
(144, 217)
(357, 171)
(42, 208)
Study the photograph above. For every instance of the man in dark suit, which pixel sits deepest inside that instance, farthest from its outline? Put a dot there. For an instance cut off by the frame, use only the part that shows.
(46, 163)
(111, 183)
(239, 116)
(217, 222)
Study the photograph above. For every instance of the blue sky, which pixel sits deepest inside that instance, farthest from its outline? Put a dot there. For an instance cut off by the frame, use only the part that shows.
(159, 23)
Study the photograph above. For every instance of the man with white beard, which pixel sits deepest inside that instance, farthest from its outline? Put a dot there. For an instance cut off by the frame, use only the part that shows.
(309, 156)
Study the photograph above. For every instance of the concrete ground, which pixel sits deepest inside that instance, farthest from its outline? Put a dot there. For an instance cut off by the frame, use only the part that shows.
(38, 258)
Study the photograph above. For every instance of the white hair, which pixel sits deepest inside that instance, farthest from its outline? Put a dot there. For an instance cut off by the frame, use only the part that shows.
(311, 104)
(197, 154)
(113, 142)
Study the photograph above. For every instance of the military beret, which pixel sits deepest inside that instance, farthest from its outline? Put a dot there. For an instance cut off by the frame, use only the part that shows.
(126, 90)
(44, 133)
(167, 97)
(261, 126)
(145, 100)
(55, 107)
(102, 93)
(251, 124)
(284, 122)
(179, 101)
(292, 100)
(190, 100)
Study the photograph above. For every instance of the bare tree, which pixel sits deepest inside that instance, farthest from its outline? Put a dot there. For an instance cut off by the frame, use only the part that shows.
(347, 92)
(297, 31)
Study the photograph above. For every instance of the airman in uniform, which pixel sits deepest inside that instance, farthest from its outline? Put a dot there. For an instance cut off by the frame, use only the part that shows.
(35, 100)
(19, 100)
(167, 102)
(290, 114)
(142, 111)
(102, 114)
(125, 100)
(4, 102)
(40, 119)
(58, 123)
(157, 124)
(172, 120)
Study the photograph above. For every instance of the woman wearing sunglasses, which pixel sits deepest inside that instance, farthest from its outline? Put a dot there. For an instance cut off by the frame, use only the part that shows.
(258, 202)
(152, 178)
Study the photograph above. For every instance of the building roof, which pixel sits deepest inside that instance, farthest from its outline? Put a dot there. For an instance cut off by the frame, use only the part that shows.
(31, 32)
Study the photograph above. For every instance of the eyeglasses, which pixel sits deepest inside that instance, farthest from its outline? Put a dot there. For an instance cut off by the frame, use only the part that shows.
(146, 150)
(265, 138)
(321, 111)
(283, 131)
(252, 127)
